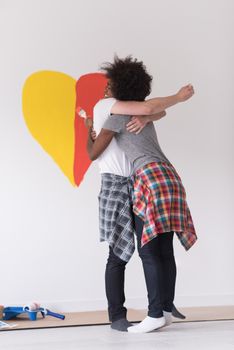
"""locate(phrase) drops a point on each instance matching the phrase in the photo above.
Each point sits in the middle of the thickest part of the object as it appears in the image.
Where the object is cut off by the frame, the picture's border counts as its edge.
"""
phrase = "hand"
(93, 135)
(88, 123)
(185, 93)
(136, 124)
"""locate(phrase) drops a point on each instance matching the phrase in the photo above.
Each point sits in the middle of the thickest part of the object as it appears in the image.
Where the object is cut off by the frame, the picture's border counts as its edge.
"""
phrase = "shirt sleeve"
(115, 123)
(110, 103)
(101, 111)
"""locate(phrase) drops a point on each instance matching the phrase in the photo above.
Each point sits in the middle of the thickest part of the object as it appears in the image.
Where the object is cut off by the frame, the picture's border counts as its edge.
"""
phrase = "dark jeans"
(114, 280)
(159, 268)
(160, 274)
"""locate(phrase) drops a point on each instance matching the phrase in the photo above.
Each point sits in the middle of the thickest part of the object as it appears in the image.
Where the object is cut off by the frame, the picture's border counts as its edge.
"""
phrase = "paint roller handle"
(54, 314)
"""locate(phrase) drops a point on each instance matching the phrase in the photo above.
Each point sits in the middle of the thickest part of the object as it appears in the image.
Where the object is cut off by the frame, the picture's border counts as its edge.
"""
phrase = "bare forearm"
(90, 145)
(154, 105)
(97, 147)
(144, 108)
(155, 117)
(159, 104)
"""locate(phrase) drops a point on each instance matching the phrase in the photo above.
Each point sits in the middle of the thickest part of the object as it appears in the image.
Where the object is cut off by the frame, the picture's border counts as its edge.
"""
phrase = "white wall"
(49, 230)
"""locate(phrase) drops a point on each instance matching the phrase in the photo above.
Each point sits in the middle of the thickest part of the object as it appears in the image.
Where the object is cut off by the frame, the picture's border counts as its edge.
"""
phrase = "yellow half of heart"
(49, 100)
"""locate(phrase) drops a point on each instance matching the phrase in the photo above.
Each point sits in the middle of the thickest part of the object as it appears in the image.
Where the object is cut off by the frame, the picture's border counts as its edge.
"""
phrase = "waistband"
(117, 178)
(153, 165)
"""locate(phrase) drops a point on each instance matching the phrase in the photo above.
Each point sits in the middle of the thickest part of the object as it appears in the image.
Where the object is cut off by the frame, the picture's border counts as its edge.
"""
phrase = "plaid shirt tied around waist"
(159, 199)
(115, 214)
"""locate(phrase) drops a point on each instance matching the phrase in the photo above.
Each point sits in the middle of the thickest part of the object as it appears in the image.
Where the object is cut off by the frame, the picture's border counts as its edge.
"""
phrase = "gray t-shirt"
(141, 149)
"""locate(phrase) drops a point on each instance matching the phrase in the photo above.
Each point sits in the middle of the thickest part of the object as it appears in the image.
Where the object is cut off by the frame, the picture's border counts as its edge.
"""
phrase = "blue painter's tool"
(14, 311)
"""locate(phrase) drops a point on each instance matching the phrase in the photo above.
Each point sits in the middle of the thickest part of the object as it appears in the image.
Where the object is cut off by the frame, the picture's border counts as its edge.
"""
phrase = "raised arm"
(154, 105)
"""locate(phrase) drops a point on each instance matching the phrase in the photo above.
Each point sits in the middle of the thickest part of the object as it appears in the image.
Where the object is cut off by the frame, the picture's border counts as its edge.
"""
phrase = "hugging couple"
(141, 196)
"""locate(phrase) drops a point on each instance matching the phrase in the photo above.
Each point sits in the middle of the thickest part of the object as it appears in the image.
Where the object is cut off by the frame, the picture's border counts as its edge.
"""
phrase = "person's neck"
(108, 96)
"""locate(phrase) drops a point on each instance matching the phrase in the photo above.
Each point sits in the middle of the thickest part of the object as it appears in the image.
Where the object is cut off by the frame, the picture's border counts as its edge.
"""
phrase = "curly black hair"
(129, 79)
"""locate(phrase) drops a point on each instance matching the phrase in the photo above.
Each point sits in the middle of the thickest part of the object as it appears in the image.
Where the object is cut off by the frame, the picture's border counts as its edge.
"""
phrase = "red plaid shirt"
(159, 199)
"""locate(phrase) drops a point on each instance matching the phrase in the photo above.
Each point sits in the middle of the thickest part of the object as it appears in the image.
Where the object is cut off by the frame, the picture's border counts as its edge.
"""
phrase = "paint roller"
(45, 312)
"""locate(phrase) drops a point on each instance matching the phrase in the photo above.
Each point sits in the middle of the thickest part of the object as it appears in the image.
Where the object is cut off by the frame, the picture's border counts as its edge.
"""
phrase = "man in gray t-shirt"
(142, 148)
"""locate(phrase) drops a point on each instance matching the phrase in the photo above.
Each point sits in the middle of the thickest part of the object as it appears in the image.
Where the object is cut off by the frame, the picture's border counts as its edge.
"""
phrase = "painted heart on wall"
(49, 103)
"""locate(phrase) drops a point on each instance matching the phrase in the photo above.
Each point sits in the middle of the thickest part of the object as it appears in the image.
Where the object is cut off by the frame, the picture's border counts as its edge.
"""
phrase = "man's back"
(142, 148)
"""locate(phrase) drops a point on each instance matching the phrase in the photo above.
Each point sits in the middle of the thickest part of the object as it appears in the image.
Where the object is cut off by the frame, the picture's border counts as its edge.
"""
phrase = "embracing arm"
(95, 148)
(137, 123)
(154, 105)
(155, 117)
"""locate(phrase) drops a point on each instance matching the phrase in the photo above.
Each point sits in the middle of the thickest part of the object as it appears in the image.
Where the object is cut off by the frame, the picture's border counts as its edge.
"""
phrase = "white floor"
(189, 336)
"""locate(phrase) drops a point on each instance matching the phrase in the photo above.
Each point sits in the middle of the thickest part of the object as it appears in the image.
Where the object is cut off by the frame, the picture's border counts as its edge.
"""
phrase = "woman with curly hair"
(128, 145)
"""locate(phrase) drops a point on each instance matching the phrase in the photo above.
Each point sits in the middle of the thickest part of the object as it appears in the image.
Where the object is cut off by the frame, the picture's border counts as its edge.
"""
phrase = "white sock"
(149, 324)
(168, 318)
